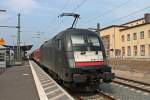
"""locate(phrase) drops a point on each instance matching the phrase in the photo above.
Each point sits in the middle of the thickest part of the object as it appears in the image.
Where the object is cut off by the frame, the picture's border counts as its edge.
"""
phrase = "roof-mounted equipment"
(76, 16)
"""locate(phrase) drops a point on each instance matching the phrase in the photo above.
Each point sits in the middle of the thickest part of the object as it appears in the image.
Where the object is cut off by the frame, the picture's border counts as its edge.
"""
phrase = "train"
(76, 58)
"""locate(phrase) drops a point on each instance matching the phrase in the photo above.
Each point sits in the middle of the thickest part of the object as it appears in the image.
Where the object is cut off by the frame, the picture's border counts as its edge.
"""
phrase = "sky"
(40, 22)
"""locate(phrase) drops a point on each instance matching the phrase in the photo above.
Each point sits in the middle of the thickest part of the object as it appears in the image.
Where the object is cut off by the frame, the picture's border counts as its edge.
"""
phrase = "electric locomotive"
(76, 57)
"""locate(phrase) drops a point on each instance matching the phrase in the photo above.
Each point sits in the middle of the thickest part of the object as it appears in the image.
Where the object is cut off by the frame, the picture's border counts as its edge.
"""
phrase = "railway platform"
(16, 83)
(29, 82)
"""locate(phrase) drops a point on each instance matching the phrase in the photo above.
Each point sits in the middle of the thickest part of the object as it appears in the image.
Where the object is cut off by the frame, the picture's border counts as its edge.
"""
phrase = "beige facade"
(111, 38)
(129, 40)
(136, 42)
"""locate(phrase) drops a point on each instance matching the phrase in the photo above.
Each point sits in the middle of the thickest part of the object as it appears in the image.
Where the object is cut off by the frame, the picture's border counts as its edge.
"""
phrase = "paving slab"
(17, 83)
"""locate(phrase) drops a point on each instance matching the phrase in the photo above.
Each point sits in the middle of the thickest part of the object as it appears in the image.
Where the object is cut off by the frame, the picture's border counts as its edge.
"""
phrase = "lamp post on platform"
(18, 41)
(18, 51)
(2, 40)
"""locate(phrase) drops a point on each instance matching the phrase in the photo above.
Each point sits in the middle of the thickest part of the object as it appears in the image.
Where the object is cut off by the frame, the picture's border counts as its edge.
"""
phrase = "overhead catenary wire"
(61, 9)
(107, 12)
(54, 20)
(79, 5)
(132, 13)
(75, 9)
(65, 5)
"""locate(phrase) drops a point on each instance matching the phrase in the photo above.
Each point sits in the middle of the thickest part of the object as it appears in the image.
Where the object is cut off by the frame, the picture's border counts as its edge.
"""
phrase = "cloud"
(25, 6)
(3, 17)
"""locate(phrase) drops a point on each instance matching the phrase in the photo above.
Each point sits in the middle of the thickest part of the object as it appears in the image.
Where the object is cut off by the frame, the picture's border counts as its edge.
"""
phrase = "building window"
(135, 50)
(129, 51)
(122, 37)
(123, 51)
(143, 22)
(142, 35)
(134, 36)
(148, 33)
(142, 50)
(128, 37)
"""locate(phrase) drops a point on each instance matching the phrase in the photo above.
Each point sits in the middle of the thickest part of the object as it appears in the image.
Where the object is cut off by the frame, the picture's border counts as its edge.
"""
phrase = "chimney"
(147, 17)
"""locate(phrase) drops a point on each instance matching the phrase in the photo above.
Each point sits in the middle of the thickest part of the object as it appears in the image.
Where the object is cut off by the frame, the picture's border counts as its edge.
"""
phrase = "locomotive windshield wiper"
(83, 52)
(76, 16)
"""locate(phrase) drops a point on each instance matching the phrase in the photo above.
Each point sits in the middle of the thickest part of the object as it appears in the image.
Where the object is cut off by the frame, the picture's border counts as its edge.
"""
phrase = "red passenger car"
(36, 55)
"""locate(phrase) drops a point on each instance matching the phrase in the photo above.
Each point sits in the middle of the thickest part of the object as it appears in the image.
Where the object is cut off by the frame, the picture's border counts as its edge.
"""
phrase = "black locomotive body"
(76, 56)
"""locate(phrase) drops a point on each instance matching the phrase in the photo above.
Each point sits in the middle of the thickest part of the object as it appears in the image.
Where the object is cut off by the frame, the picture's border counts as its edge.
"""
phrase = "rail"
(133, 84)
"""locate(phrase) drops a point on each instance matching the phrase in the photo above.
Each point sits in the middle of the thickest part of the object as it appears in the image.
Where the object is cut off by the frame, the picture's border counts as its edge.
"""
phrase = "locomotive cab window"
(94, 43)
(79, 43)
(85, 43)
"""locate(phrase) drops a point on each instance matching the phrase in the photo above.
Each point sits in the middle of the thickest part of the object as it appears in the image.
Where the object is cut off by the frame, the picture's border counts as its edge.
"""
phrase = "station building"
(128, 40)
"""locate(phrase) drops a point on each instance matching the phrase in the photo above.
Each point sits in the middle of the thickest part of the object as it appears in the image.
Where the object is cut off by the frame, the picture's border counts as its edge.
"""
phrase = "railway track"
(133, 84)
(102, 95)
(144, 87)
(88, 96)
(114, 94)
(97, 96)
